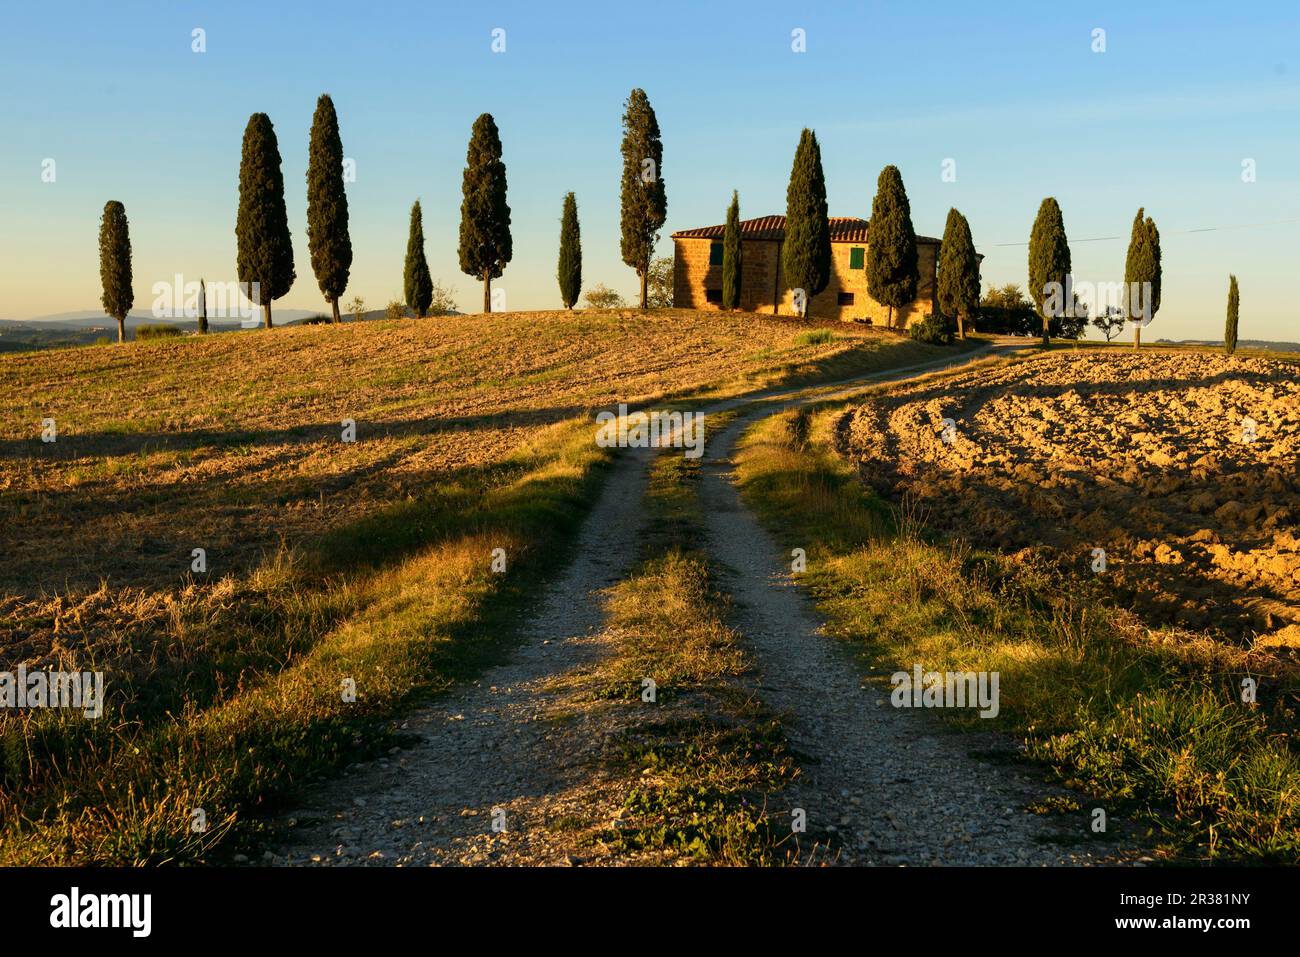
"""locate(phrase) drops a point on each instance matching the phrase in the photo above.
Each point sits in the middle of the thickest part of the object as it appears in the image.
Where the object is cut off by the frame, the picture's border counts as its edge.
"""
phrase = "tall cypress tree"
(806, 250)
(643, 196)
(416, 281)
(203, 308)
(1049, 259)
(264, 248)
(731, 264)
(959, 272)
(1142, 271)
(892, 270)
(569, 269)
(1230, 330)
(485, 244)
(115, 264)
(327, 206)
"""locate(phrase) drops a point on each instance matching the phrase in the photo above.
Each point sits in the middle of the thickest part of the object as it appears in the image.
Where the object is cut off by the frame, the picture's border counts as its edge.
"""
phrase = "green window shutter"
(857, 257)
(715, 254)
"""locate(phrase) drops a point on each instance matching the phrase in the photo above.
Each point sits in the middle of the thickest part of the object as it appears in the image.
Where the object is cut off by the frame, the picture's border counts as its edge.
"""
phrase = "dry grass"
(325, 558)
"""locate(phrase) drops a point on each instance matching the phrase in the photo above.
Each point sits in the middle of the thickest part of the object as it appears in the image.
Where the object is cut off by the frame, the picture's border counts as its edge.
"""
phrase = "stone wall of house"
(693, 277)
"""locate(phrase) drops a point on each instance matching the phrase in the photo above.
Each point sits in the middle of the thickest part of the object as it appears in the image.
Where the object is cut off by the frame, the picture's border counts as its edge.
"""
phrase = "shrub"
(814, 337)
(395, 310)
(443, 302)
(162, 331)
(934, 329)
(601, 296)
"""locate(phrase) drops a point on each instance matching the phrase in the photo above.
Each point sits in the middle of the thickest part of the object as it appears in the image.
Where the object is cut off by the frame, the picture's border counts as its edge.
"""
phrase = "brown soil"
(1144, 455)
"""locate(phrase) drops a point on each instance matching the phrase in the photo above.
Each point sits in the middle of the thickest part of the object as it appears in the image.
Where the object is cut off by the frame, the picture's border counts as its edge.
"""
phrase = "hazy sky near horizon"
(1012, 92)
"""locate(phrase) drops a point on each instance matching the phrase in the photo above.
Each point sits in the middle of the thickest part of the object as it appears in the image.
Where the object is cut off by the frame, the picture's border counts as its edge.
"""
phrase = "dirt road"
(521, 746)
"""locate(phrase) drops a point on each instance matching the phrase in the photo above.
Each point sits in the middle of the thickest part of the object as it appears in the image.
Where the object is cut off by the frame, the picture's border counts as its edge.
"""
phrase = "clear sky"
(1013, 93)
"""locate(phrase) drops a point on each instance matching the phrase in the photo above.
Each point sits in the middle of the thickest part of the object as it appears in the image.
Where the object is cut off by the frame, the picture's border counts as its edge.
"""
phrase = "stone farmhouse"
(697, 273)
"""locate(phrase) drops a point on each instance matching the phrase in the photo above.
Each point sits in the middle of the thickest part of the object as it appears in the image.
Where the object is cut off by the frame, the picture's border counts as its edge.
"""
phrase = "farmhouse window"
(715, 254)
(857, 257)
(713, 295)
(845, 299)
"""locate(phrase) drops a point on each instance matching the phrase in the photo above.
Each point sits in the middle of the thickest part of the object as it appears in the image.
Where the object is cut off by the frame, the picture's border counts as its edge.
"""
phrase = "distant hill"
(96, 317)
(1241, 344)
(62, 330)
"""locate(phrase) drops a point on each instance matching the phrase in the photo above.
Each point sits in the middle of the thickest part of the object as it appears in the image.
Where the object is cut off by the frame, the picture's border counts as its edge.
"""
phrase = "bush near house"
(935, 329)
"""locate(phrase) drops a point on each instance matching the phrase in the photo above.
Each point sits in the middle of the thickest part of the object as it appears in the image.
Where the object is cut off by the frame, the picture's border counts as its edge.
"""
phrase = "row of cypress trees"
(264, 245)
(264, 253)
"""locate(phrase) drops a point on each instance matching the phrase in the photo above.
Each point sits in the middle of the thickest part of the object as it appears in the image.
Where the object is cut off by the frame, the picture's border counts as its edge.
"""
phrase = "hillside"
(323, 558)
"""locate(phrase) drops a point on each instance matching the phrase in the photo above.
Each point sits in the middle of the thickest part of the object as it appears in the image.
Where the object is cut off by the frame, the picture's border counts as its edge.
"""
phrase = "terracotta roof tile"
(844, 229)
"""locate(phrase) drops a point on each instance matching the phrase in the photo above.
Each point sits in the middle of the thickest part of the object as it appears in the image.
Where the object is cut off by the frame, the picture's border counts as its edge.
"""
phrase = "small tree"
(1005, 310)
(444, 300)
(1230, 330)
(115, 264)
(1110, 322)
(357, 308)
(203, 308)
(569, 270)
(416, 282)
(485, 244)
(395, 310)
(1142, 274)
(806, 250)
(264, 247)
(731, 264)
(1049, 262)
(660, 286)
(959, 273)
(327, 206)
(644, 200)
(601, 296)
(892, 270)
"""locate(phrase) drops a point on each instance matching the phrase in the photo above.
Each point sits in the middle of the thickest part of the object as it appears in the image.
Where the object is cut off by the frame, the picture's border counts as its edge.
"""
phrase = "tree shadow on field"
(73, 445)
(139, 531)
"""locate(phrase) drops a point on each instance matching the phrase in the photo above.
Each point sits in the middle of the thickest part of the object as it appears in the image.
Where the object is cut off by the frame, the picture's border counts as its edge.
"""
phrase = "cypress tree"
(806, 250)
(569, 270)
(1230, 330)
(959, 272)
(485, 244)
(115, 264)
(644, 199)
(731, 263)
(203, 308)
(327, 206)
(264, 248)
(1049, 259)
(416, 281)
(892, 269)
(1142, 269)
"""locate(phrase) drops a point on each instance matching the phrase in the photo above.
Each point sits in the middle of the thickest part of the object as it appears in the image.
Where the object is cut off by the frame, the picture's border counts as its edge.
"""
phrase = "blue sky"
(1012, 92)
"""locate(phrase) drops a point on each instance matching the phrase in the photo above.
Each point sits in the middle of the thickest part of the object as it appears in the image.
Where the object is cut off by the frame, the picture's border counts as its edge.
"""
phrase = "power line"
(1176, 232)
